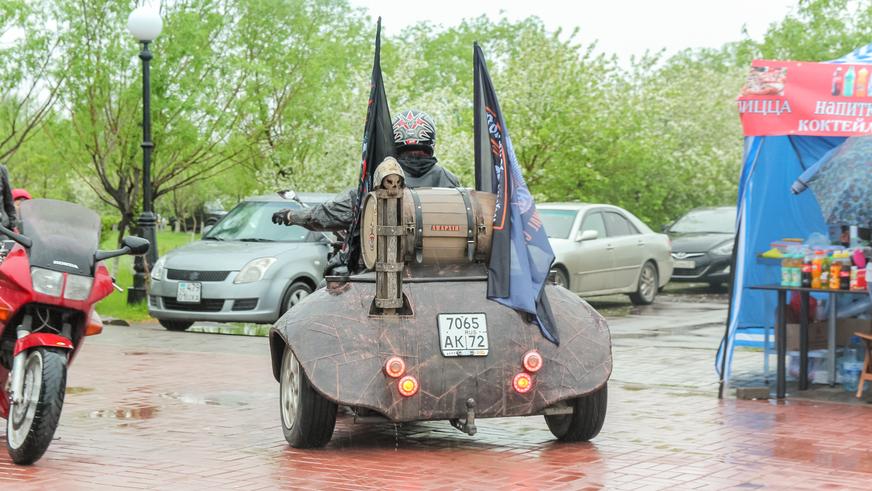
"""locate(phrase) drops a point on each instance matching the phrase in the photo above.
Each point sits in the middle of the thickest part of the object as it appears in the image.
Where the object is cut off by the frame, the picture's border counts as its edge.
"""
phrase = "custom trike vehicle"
(417, 339)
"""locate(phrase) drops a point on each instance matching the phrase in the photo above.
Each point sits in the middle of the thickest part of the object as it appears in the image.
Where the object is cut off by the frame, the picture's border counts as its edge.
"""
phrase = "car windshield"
(718, 221)
(558, 223)
(252, 221)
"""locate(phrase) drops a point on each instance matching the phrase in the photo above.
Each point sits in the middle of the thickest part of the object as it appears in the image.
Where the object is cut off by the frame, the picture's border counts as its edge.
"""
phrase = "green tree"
(258, 83)
(819, 30)
(29, 81)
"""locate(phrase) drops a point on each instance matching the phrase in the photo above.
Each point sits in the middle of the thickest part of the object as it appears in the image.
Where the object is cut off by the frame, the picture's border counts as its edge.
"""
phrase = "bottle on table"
(806, 271)
(785, 270)
(796, 271)
(835, 269)
(845, 278)
(816, 266)
(825, 271)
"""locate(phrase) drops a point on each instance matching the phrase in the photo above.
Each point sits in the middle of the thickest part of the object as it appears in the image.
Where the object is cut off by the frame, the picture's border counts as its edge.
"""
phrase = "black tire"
(649, 281)
(296, 293)
(717, 286)
(175, 325)
(561, 277)
(307, 417)
(44, 410)
(585, 422)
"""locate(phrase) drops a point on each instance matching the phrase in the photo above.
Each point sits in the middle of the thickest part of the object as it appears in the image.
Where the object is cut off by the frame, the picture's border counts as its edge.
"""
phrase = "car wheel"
(295, 294)
(307, 418)
(717, 286)
(175, 325)
(561, 278)
(648, 285)
(586, 420)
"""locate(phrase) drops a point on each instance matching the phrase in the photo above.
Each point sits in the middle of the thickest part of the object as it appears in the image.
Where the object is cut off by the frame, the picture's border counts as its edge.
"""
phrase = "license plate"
(188, 292)
(463, 334)
(684, 264)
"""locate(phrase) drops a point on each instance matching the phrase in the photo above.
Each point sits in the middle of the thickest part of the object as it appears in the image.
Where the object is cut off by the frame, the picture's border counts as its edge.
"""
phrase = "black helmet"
(414, 129)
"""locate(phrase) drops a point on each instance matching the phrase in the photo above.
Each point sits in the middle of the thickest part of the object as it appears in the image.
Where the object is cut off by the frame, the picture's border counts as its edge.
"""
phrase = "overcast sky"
(622, 27)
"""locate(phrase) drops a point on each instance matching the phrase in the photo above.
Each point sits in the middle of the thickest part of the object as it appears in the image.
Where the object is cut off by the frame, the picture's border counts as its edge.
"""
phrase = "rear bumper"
(342, 349)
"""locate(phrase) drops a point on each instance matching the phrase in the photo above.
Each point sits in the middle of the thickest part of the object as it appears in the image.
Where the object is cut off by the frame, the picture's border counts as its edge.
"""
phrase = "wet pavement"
(151, 409)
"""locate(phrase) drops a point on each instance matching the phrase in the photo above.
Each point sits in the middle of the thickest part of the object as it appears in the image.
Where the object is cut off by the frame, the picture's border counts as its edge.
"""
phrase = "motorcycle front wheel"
(32, 423)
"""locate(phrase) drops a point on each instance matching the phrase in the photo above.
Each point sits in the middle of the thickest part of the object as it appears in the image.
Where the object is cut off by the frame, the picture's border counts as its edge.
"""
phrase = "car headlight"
(724, 249)
(46, 281)
(158, 269)
(254, 270)
(78, 287)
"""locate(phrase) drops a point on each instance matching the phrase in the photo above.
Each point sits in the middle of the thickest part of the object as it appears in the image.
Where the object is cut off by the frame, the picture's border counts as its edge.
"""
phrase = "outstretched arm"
(331, 216)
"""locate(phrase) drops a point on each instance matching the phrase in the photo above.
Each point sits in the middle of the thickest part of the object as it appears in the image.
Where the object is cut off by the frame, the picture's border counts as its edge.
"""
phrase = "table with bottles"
(836, 272)
(781, 333)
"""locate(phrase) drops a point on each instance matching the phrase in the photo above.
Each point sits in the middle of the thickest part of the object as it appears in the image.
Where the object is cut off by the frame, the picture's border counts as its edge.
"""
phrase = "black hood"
(698, 242)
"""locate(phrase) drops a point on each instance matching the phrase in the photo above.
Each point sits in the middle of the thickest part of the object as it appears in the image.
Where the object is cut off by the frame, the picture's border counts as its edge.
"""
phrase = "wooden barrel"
(443, 226)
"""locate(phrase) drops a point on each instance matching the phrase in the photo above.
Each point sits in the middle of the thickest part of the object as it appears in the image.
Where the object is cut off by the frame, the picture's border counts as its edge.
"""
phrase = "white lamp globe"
(144, 23)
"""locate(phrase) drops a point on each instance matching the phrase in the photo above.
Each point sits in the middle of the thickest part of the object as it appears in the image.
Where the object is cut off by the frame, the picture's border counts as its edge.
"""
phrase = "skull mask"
(389, 176)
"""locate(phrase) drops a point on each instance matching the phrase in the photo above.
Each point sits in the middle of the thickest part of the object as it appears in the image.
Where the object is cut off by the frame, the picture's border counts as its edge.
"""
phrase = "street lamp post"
(145, 24)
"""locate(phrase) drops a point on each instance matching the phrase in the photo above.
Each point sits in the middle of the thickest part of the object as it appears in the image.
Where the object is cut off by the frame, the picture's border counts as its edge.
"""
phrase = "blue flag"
(521, 255)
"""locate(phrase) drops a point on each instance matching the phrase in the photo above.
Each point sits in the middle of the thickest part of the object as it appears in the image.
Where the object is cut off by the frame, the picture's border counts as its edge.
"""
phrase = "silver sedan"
(246, 269)
(603, 250)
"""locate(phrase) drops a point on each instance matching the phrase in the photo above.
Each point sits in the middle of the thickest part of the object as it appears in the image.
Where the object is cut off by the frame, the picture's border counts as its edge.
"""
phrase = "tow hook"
(467, 426)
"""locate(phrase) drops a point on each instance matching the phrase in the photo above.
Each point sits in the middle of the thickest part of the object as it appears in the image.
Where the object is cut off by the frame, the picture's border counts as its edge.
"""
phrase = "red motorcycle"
(51, 276)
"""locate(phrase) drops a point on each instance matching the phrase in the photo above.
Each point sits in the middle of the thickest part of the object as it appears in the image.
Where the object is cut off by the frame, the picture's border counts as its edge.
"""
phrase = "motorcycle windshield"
(65, 235)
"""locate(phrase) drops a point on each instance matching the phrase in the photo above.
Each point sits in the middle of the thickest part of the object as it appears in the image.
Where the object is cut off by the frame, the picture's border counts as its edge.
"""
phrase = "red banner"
(800, 98)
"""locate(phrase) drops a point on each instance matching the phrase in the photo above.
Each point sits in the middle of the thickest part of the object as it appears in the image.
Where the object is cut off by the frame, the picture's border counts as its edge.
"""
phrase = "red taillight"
(408, 386)
(532, 361)
(522, 383)
(395, 367)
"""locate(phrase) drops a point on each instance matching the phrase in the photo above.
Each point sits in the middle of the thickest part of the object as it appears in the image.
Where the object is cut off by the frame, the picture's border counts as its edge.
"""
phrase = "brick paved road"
(148, 408)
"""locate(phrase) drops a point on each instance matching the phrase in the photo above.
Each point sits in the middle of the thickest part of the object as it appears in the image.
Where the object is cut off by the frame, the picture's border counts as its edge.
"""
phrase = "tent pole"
(726, 340)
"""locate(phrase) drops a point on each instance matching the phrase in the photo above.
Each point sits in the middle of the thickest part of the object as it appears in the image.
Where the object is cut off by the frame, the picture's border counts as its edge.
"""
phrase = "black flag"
(378, 143)
(521, 255)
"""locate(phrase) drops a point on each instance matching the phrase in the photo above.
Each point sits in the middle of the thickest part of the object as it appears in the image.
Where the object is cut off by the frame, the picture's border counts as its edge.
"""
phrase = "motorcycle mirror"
(129, 245)
(291, 196)
(136, 245)
(287, 194)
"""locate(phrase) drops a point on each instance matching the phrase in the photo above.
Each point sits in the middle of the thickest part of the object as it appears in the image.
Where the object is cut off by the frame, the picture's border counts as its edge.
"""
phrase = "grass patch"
(115, 305)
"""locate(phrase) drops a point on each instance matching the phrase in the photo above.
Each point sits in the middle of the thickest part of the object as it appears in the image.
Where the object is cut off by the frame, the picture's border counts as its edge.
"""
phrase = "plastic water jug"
(851, 364)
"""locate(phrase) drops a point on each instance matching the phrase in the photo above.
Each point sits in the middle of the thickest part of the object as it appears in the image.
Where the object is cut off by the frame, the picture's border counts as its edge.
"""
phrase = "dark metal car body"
(342, 349)
(702, 243)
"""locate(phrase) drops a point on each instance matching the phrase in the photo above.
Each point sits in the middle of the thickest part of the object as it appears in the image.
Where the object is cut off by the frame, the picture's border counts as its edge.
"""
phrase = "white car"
(603, 250)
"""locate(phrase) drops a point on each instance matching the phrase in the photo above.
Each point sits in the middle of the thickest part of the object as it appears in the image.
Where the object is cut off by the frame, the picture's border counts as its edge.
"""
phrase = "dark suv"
(702, 245)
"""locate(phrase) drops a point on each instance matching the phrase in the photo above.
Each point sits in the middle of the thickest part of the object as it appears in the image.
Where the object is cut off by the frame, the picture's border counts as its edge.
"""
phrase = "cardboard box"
(817, 333)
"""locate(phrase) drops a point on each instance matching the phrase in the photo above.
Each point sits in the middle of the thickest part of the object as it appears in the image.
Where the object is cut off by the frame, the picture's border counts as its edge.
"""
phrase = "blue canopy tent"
(768, 211)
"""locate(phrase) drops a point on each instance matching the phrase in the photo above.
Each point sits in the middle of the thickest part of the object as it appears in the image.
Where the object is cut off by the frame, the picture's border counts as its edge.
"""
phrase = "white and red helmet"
(414, 129)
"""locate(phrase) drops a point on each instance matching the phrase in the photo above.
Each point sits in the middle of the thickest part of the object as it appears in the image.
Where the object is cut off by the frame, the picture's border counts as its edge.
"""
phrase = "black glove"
(282, 217)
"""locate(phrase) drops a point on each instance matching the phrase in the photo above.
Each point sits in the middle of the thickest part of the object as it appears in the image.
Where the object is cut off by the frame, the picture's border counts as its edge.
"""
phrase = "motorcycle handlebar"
(21, 239)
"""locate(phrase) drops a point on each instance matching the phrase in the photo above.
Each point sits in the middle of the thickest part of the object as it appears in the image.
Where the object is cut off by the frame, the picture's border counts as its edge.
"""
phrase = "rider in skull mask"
(414, 138)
